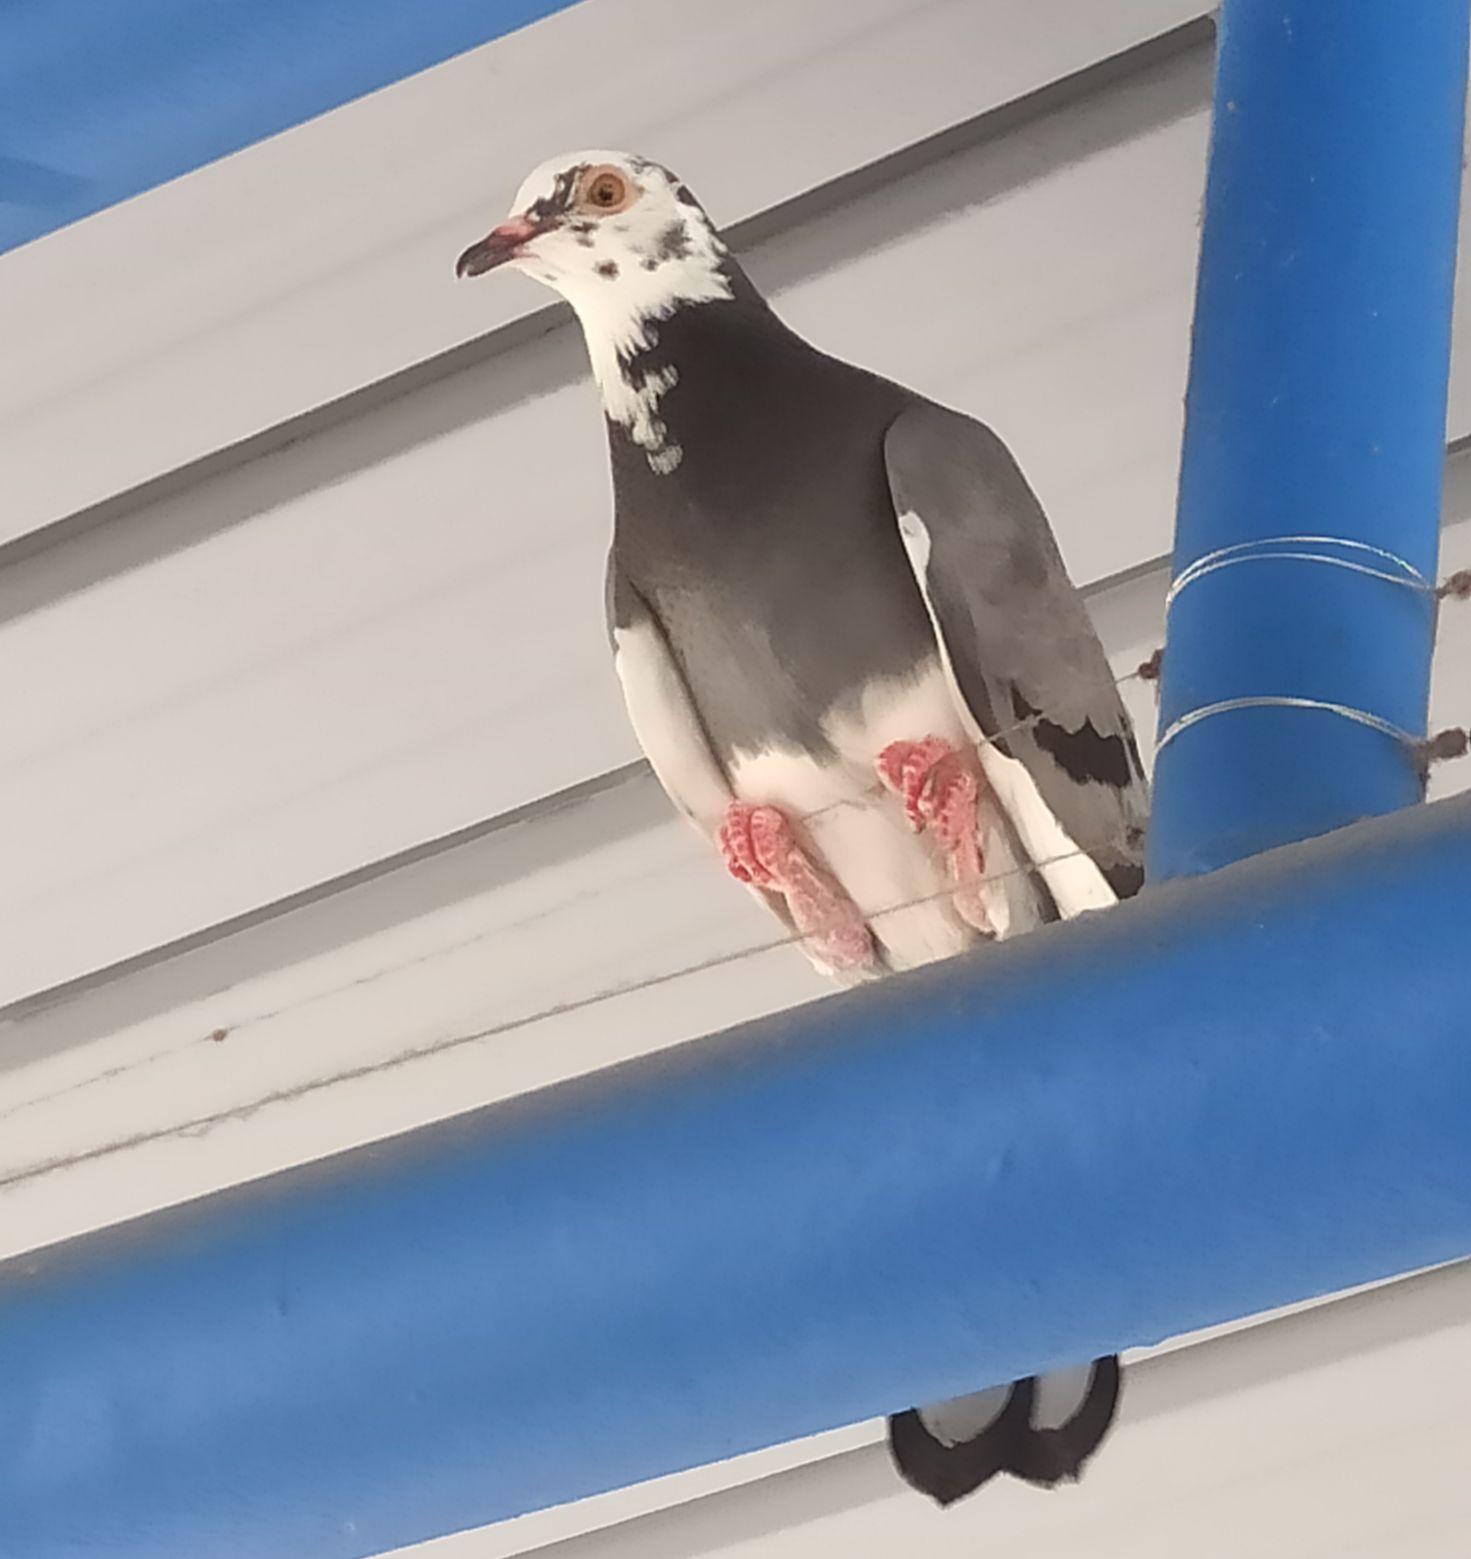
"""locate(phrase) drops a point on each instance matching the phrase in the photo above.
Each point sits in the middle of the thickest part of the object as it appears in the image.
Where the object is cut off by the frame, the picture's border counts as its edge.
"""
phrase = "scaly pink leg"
(940, 787)
(759, 847)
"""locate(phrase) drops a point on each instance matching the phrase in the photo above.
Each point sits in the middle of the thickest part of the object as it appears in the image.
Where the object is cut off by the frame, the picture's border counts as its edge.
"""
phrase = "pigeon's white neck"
(620, 317)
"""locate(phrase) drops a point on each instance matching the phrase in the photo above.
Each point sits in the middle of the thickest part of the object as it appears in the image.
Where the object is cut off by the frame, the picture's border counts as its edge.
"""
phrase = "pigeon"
(850, 649)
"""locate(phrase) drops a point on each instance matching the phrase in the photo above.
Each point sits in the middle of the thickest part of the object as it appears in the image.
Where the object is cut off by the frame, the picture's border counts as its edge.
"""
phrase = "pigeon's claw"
(760, 846)
(907, 769)
(940, 787)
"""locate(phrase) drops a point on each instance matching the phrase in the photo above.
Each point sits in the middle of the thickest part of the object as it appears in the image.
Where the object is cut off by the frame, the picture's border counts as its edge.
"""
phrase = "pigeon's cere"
(850, 649)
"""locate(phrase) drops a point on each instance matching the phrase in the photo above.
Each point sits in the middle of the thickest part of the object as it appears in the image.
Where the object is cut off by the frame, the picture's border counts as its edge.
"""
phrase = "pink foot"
(940, 787)
(759, 847)
(906, 768)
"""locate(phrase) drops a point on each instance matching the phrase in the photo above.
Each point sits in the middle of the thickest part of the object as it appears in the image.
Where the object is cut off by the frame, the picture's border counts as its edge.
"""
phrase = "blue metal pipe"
(1227, 1094)
(1316, 406)
(100, 100)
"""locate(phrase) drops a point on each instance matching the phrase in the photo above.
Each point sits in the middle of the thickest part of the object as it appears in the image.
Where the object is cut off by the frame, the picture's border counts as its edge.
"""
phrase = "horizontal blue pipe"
(100, 99)
(1316, 406)
(1228, 1094)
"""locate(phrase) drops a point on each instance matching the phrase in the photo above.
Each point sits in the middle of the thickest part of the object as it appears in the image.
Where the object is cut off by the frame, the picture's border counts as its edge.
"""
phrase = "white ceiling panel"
(321, 260)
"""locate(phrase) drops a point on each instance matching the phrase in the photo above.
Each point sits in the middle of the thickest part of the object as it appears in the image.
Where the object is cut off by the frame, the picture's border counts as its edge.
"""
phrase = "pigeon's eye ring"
(604, 190)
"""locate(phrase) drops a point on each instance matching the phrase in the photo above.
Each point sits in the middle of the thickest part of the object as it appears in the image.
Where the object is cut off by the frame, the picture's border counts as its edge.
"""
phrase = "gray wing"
(1017, 640)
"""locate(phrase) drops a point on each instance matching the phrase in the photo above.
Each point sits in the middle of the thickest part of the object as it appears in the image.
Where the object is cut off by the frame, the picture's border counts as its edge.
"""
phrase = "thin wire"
(1408, 576)
(1269, 550)
(200, 1125)
(992, 739)
(875, 792)
(1284, 701)
(1264, 551)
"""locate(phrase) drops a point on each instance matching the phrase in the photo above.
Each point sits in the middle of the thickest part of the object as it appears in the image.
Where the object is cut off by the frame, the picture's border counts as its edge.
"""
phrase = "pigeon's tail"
(1042, 1429)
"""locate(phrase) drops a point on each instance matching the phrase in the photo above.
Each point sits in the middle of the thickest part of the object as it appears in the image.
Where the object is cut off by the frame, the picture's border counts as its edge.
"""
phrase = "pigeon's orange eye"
(604, 190)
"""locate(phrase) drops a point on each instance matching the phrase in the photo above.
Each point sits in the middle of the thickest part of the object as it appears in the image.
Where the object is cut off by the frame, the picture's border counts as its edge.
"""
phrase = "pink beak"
(501, 244)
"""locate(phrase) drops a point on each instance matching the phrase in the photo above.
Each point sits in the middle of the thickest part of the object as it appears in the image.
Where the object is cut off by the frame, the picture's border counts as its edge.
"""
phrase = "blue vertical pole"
(1316, 407)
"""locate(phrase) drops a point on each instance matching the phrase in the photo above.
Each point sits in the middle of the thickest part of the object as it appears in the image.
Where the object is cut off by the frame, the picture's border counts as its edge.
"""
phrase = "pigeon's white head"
(626, 244)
